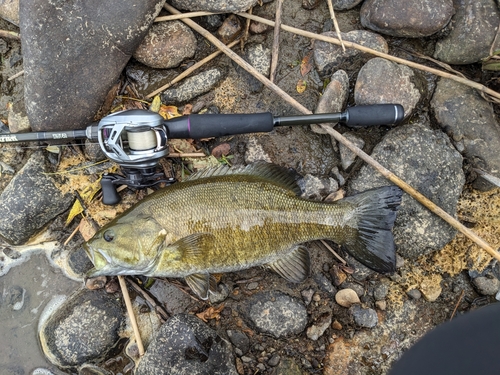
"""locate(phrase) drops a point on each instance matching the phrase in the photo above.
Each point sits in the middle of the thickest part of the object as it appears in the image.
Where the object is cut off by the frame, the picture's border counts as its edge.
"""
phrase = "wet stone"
(30, 201)
(333, 99)
(408, 19)
(364, 317)
(83, 329)
(79, 262)
(380, 291)
(193, 87)
(487, 285)
(239, 339)
(274, 360)
(317, 188)
(469, 119)
(230, 29)
(345, 4)
(276, 313)
(220, 6)
(166, 45)
(184, 345)
(325, 284)
(97, 38)
(383, 81)
(414, 294)
(473, 31)
(425, 159)
(328, 57)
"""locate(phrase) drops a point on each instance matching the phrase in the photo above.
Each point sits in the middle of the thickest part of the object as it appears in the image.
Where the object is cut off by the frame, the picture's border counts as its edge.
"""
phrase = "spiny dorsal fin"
(272, 173)
(201, 284)
(294, 267)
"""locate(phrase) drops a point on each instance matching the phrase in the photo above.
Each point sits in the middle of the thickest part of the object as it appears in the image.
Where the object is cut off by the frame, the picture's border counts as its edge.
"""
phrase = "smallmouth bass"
(229, 219)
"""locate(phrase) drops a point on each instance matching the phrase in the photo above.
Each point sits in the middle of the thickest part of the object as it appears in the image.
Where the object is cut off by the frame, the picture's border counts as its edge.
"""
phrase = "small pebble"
(17, 297)
(307, 296)
(380, 292)
(381, 305)
(346, 297)
(414, 293)
(252, 285)
(336, 325)
(274, 360)
(367, 318)
(96, 282)
(316, 297)
(246, 359)
(112, 286)
(261, 367)
(487, 286)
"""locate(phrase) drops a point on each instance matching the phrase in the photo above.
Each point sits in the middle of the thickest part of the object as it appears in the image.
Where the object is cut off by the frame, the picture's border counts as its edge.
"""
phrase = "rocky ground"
(345, 318)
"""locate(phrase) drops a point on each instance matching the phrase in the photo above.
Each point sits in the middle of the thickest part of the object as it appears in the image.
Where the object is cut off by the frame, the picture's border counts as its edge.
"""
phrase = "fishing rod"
(137, 139)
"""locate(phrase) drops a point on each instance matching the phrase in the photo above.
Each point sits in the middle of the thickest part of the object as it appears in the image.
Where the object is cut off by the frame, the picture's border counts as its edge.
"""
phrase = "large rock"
(30, 201)
(221, 6)
(383, 81)
(185, 345)
(473, 32)
(471, 123)
(82, 329)
(409, 19)
(425, 159)
(74, 52)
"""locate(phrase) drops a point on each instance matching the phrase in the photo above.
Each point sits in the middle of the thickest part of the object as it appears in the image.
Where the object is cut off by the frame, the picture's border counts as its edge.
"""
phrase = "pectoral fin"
(295, 266)
(194, 245)
(201, 284)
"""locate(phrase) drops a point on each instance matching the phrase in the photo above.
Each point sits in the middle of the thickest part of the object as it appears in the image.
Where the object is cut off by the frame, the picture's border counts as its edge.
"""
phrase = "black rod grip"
(377, 114)
(218, 125)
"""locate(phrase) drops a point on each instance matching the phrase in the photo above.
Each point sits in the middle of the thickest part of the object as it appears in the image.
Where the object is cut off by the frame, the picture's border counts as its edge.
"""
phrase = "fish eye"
(108, 235)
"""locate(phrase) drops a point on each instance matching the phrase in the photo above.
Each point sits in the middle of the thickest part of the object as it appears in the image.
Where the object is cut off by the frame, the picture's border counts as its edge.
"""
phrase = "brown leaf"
(306, 64)
(187, 109)
(210, 313)
(168, 111)
(301, 86)
(86, 229)
(222, 149)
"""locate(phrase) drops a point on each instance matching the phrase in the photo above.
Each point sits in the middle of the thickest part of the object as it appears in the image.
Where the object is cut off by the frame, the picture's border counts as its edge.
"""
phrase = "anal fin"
(295, 266)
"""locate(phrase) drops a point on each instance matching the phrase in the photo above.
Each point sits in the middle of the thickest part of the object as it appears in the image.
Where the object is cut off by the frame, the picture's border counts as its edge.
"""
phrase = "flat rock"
(184, 345)
(221, 6)
(426, 160)
(383, 81)
(407, 19)
(82, 329)
(346, 155)
(276, 313)
(474, 27)
(471, 123)
(334, 98)
(259, 57)
(364, 317)
(166, 45)
(328, 57)
(193, 87)
(30, 201)
(73, 54)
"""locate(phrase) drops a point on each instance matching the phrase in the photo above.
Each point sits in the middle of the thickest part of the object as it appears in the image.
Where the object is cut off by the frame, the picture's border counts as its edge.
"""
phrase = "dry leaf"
(301, 86)
(87, 195)
(181, 145)
(210, 313)
(168, 111)
(187, 109)
(222, 149)
(76, 210)
(86, 229)
(155, 104)
(306, 64)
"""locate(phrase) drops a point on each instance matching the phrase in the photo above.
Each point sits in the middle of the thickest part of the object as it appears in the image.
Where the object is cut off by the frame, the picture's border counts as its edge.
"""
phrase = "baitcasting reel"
(137, 139)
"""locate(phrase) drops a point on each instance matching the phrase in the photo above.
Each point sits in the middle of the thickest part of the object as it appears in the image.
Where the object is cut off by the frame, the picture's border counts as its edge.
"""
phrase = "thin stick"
(72, 234)
(456, 305)
(159, 309)
(367, 158)
(247, 27)
(333, 252)
(18, 74)
(9, 35)
(359, 47)
(131, 314)
(335, 23)
(276, 41)
(183, 15)
(190, 70)
(186, 155)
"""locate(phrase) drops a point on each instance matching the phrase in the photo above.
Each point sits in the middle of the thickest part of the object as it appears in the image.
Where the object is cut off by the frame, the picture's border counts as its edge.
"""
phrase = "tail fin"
(373, 243)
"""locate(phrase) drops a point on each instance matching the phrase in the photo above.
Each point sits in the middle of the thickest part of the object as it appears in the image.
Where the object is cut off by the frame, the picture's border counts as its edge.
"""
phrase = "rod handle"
(371, 115)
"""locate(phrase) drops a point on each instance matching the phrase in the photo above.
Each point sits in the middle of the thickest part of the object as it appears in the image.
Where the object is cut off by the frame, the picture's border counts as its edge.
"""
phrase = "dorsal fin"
(272, 173)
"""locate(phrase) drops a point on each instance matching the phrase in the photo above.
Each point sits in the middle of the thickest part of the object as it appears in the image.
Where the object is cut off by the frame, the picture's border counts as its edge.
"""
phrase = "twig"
(159, 309)
(183, 15)
(340, 138)
(456, 305)
(333, 252)
(131, 314)
(359, 47)
(276, 41)
(335, 23)
(9, 35)
(190, 70)
(247, 27)
(186, 155)
(18, 74)
(72, 234)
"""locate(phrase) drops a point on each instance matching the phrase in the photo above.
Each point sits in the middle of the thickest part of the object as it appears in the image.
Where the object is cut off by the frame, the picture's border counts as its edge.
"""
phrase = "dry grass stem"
(18, 74)
(130, 311)
(159, 309)
(457, 304)
(183, 15)
(247, 28)
(335, 23)
(186, 155)
(333, 252)
(398, 60)
(276, 41)
(10, 35)
(189, 71)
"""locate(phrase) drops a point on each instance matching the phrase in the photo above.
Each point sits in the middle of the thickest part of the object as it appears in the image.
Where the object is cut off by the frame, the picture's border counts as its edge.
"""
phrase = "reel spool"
(134, 139)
